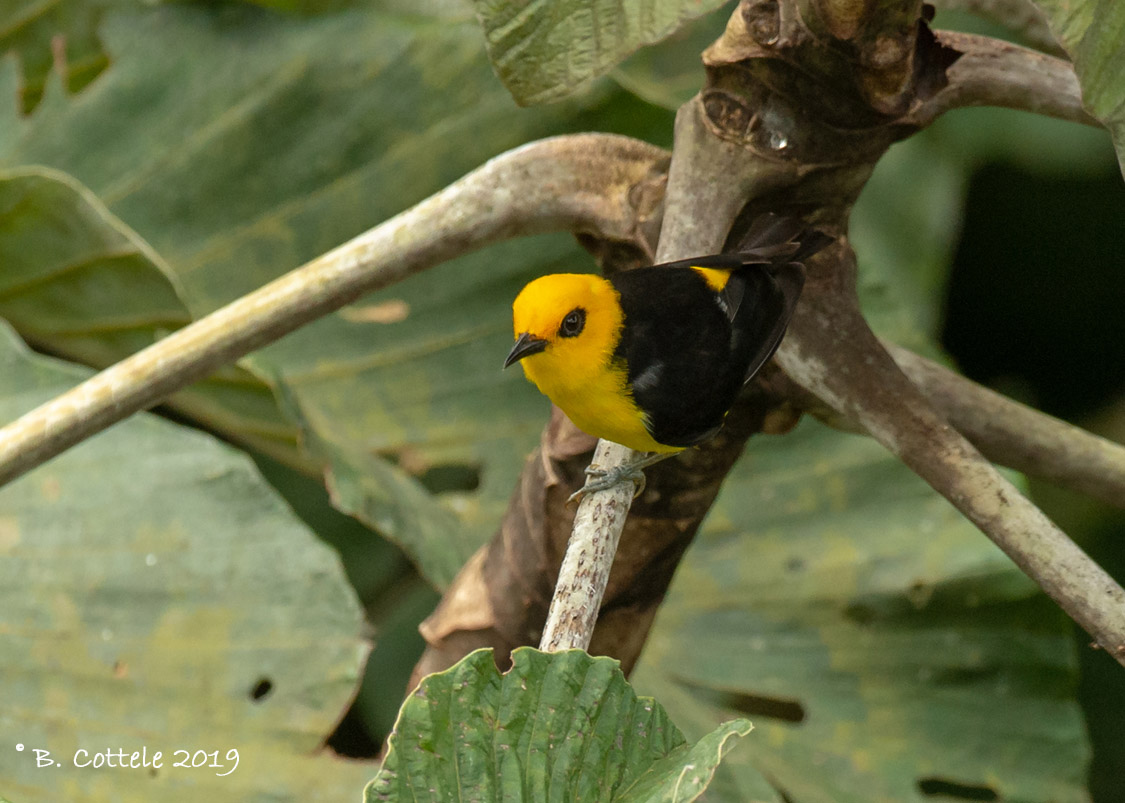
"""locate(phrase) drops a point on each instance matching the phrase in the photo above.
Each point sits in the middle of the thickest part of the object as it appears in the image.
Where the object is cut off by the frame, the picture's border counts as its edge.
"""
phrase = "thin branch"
(1005, 431)
(1017, 436)
(601, 516)
(584, 573)
(831, 351)
(576, 183)
(991, 72)
(1020, 16)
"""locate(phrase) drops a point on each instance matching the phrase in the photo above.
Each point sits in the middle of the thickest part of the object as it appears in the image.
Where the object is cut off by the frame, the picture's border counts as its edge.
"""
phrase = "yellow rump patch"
(716, 279)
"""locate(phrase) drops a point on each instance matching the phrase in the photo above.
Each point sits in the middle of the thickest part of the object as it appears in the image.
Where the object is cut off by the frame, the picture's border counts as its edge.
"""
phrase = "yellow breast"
(601, 405)
(579, 374)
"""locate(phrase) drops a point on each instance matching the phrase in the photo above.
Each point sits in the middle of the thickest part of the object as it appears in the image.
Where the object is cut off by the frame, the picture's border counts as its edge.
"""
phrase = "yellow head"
(566, 326)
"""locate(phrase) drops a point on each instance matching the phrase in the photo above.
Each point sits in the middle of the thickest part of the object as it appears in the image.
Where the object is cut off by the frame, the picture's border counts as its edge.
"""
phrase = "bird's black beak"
(525, 344)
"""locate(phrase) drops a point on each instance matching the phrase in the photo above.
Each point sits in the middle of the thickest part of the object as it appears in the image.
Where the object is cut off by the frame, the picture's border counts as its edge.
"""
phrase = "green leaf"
(544, 51)
(155, 593)
(560, 726)
(378, 110)
(670, 72)
(79, 283)
(1093, 33)
(879, 642)
(58, 36)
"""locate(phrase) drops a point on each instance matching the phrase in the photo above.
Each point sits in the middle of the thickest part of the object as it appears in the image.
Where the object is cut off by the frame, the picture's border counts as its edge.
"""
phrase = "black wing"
(676, 346)
(689, 350)
(768, 295)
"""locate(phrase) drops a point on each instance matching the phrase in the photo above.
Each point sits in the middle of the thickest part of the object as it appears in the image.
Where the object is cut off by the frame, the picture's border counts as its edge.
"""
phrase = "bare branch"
(584, 573)
(1005, 431)
(1020, 16)
(576, 183)
(1017, 436)
(831, 351)
(991, 72)
(601, 516)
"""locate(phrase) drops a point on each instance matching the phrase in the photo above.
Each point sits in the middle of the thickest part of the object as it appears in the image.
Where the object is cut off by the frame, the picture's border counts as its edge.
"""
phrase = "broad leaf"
(79, 283)
(547, 49)
(556, 727)
(394, 107)
(155, 593)
(1093, 33)
(881, 645)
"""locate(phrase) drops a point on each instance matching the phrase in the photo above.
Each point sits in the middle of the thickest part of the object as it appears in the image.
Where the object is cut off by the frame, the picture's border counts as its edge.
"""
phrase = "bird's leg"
(600, 480)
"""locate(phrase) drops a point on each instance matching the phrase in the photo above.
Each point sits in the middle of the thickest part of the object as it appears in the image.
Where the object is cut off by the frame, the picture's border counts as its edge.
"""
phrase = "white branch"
(578, 183)
(692, 186)
(585, 569)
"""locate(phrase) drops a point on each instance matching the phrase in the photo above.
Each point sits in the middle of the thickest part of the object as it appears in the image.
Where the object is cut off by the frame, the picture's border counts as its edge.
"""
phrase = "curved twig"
(1003, 430)
(991, 72)
(575, 183)
(1020, 16)
(1017, 436)
(831, 351)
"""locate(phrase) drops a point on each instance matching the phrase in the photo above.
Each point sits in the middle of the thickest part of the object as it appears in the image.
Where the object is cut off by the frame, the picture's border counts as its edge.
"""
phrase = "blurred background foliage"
(223, 144)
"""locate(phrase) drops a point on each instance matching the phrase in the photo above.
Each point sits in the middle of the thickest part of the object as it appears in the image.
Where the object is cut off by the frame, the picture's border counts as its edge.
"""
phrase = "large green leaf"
(79, 283)
(881, 645)
(154, 593)
(1093, 33)
(375, 110)
(556, 727)
(547, 49)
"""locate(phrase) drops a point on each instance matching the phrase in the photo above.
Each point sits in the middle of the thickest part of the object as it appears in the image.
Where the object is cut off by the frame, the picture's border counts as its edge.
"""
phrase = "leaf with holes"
(155, 593)
(884, 649)
(557, 726)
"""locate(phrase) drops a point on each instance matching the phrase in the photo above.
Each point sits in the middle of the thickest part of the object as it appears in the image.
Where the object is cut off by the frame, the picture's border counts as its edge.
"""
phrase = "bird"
(654, 358)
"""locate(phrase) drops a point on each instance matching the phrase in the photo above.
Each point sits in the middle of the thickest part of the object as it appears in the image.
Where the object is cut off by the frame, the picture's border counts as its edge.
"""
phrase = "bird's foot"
(598, 479)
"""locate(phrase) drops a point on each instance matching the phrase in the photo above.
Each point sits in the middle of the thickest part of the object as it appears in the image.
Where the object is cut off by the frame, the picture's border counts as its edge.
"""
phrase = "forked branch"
(1014, 435)
(831, 352)
(991, 72)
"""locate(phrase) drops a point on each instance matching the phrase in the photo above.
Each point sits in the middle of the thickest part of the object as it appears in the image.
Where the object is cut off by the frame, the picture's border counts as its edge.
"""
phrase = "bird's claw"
(602, 480)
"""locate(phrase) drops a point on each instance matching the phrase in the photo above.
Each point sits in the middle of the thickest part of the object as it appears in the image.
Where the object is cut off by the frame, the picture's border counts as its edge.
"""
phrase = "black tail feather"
(779, 240)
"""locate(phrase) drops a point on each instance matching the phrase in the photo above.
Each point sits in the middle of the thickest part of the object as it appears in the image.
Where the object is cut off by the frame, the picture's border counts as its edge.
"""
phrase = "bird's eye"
(572, 324)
